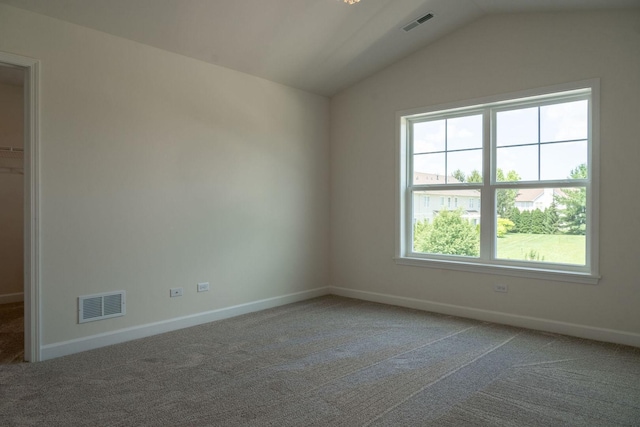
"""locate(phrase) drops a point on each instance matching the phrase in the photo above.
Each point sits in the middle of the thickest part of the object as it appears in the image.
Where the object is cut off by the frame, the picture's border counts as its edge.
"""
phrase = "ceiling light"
(351, 1)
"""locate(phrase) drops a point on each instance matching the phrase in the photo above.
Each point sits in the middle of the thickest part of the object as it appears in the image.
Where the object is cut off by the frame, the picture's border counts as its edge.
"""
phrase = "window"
(525, 167)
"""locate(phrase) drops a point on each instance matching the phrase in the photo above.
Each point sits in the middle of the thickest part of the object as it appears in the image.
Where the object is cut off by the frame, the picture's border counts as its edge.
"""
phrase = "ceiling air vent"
(411, 25)
(101, 306)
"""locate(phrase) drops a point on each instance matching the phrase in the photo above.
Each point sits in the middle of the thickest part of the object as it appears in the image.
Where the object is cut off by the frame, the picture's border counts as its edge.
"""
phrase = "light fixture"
(351, 1)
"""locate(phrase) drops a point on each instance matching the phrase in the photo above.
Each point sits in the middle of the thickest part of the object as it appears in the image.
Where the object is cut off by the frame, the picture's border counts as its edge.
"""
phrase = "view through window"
(504, 183)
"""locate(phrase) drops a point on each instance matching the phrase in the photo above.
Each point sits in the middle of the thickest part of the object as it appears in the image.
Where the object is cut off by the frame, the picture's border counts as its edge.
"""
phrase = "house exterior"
(531, 199)
(427, 204)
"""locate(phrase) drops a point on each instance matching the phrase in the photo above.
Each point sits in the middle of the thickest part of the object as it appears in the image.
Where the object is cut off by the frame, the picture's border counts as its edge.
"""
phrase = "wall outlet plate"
(203, 287)
(501, 288)
(175, 292)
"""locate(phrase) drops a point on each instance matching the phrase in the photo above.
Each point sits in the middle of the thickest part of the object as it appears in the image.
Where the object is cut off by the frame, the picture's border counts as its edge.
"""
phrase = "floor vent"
(101, 306)
(410, 26)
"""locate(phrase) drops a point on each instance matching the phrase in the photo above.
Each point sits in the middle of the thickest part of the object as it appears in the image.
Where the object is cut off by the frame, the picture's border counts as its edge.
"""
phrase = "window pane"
(563, 160)
(429, 168)
(439, 227)
(517, 127)
(462, 164)
(464, 132)
(542, 225)
(523, 161)
(564, 122)
(428, 137)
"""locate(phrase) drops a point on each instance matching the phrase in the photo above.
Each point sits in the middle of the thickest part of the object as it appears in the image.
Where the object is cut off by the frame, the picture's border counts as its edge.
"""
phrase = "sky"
(550, 140)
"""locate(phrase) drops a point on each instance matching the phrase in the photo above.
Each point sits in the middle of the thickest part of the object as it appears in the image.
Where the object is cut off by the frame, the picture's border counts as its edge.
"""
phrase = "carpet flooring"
(333, 361)
(11, 333)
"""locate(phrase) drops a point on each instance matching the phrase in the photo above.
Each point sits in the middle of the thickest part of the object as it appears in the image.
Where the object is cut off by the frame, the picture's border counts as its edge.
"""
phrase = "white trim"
(501, 270)
(487, 262)
(536, 323)
(32, 326)
(78, 345)
(9, 298)
(507, 98)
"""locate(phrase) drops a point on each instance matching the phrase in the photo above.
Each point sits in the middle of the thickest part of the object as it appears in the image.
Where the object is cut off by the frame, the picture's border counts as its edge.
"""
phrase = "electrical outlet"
(175, 292)
(203, 287)
(501, 288)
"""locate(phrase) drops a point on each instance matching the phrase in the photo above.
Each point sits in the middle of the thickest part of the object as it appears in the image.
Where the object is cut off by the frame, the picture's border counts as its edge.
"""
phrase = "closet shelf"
(11, 160)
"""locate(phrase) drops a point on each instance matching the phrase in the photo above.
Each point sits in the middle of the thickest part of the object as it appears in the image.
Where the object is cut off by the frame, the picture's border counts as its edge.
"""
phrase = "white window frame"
(486, 262)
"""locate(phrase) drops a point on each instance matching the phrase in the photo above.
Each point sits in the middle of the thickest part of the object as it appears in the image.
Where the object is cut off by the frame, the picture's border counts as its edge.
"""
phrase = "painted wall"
(160, 171)
(494, 55)
(11, 196)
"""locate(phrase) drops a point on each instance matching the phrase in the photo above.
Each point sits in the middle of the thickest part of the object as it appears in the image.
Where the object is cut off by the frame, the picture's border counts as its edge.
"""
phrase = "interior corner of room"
(152, 173)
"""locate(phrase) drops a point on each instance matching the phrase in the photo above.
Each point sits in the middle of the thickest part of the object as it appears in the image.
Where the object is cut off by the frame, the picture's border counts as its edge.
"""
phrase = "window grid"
(489, 187)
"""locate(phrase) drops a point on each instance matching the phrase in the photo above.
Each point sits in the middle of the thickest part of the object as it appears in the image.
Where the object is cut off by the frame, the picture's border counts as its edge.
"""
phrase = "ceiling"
(321, 46)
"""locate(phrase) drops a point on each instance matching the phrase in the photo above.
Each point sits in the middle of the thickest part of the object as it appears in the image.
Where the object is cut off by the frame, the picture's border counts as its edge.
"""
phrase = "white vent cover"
(411, 25)
(101, 306)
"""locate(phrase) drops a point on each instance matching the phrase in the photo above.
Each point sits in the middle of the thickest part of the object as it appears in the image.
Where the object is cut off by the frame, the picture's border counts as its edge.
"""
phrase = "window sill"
(502, 270)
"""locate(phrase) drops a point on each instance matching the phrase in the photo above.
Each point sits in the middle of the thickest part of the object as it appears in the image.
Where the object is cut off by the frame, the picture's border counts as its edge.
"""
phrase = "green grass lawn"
(549, 248)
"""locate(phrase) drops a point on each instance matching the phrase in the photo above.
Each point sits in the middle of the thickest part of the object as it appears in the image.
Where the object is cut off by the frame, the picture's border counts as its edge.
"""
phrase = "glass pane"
(564, 122)
(429, 168)
(517, 127)
(563, 160)
(517, 163)
(464, 132)
(462, 164)
(542, 225)
(428, 137)
(447, 222)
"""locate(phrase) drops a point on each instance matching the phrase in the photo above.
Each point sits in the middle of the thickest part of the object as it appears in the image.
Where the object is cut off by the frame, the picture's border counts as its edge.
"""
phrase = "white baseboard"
(9, 298)
(59, 349)
(572, 329)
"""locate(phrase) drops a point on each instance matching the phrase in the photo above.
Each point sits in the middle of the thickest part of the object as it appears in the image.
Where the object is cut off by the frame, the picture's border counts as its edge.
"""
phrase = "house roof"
(533, 194)
(529, 194)
(431, 178)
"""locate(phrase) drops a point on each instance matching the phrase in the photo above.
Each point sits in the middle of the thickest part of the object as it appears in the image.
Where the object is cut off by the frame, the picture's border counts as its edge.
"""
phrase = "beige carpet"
(11, 333)
(333, 361)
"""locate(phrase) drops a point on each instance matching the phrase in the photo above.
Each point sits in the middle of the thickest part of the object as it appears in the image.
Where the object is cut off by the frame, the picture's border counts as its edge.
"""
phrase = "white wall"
(11, 196)
(160, 171)
(497, 54)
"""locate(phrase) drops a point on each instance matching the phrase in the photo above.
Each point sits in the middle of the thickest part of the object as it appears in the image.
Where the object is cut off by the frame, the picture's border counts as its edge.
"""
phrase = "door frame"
(32, 318)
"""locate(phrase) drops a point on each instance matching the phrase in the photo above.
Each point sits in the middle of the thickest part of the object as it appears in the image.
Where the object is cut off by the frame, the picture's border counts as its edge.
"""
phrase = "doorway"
(11, 214)
(19, 219)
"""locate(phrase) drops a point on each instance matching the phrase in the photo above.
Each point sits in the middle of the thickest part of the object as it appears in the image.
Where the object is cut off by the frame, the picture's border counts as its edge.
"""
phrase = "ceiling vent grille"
(101, 306)
(413, 24)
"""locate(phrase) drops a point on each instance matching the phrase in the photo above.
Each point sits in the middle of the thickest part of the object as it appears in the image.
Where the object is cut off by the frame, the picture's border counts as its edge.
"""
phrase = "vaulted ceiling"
(321, 46)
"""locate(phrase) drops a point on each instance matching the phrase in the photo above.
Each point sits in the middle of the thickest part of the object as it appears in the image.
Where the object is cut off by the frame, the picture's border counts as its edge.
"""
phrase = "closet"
(11, 215)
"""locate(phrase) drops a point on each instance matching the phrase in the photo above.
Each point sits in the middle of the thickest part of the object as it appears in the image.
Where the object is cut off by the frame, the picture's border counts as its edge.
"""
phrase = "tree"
(537, 222)
(459, 175)
(504, 226)
(525, 222)
(552, 219)
(420, 234)
(506, 198)
(451, 234)
(573, 218)
(514, 216)
(474, 176)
